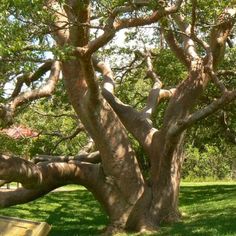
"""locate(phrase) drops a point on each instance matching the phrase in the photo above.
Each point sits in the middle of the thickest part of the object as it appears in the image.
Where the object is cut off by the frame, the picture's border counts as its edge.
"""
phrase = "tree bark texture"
(114, 176)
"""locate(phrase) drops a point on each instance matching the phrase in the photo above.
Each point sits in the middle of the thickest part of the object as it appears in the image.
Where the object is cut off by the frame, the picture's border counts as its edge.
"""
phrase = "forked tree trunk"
(128, 199)
(131, 201)
(160, 202)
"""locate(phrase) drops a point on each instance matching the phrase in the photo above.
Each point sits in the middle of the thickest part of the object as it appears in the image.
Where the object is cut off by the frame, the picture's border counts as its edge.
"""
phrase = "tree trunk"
(135, 205)
(166, 182)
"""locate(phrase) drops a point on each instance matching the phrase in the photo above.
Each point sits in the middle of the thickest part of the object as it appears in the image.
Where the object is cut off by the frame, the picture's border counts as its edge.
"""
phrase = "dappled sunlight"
(208, 209)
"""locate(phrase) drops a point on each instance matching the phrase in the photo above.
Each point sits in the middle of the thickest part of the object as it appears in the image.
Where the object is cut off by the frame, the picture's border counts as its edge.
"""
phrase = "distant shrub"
(210, 163)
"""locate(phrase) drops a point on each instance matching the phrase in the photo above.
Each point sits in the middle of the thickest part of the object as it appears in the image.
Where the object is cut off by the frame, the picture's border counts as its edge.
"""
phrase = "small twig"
(216, 81)
(69, 137)
(73, 116)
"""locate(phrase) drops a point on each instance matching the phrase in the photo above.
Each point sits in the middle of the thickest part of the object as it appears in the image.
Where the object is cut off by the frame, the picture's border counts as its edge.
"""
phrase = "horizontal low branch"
(31, 176)
(21, 195)
(93, 157)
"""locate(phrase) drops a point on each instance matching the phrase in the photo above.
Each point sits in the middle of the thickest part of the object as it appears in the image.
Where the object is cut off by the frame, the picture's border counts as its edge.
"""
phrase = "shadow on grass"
(70, 213)
(201, 194)
(209, 211)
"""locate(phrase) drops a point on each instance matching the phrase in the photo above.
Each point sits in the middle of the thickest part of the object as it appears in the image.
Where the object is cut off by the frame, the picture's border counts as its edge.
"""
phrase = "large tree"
(78, 34)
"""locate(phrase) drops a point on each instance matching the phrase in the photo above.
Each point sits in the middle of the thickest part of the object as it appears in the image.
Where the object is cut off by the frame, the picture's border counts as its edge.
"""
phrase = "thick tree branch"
(47, 175)
(156, 93)
(21, 195)
(108, 77)
(156, 16)
(189, 45)
(131, 119)
(195, 38)
(181, 125)
(93, 157)
(174, 45)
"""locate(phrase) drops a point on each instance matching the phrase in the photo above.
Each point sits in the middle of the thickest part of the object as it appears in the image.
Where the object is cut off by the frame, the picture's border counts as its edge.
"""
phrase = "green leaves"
(209, 163)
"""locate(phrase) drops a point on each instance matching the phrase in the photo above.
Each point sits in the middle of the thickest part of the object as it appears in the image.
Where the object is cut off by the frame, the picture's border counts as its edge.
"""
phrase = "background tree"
(75, 37)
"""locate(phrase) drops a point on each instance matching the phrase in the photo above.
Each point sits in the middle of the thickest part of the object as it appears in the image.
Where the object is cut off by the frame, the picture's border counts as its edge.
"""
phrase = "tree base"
(111, 230)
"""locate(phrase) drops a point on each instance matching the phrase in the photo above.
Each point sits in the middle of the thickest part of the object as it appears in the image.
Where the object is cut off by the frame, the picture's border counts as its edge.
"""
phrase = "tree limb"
(181, 125)
(217, 82)
(174, 45)
(7, 110)
(131, 119)
(189, 46)
(93, 157)
(43, 177)
(44, 91)
(21, 195)
(108, 77)
(29, 78)
(219, 34)
(156, 93)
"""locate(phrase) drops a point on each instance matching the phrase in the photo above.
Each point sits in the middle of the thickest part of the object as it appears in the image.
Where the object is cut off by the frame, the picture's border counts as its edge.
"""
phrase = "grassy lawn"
(209, 210)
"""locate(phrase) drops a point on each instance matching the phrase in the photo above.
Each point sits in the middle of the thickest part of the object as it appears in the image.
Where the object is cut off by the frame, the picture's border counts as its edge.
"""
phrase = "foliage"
(210, 162)
(55, 120)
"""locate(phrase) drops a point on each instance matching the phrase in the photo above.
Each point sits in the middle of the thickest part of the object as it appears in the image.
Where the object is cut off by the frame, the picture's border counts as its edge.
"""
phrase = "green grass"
(209, 210)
